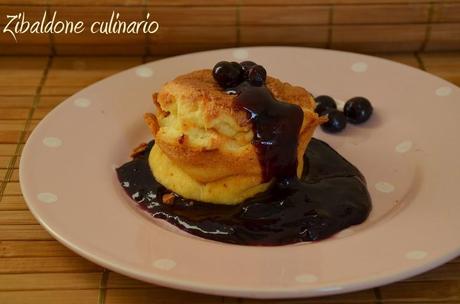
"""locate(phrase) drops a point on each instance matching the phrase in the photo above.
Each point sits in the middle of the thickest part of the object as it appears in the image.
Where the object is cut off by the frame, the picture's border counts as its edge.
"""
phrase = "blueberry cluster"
(356, 110)
(231, 74)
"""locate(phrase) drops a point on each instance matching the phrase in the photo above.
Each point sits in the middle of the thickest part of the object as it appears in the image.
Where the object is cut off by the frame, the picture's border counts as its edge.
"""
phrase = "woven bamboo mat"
(195, 25)
(34, 268)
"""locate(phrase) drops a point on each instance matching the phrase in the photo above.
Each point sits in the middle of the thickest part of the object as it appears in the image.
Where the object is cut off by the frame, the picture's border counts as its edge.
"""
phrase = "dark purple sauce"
(276, 126)
(329, 197)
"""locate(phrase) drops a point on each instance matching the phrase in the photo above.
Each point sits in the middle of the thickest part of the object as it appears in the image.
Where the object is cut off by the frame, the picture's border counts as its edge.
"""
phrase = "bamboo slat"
(423, 291)
(4, 161)
(40, 113)
(90, 14)
(27, 70)
(49, 296)
(316, 35)
(101, 50)
(47, 264)
(447, 12)
(2, 175)
(51, 101)
(226, 300)
(14, 113)
(22, 39)
(33, 249)
(94, 2)
(20, 76)
(170, 49)
(51, 90)
(118, 281)
(7, 149)
(12, 199)
(402, 58)
(25, 2)
(64, 80)
(49, 281)
(446, 272)
(381, 14)
(17, 90)
(88, 38)
(14, 175)
(445, 65)
(24, 49)
(17, 217)
(194, 34)
(23, 232)
(31, 66)
(285, 15)
(10, 130)
(159, 295)
(444, 36)
(12, 188)
(192, 2)
(193, 16)
(12, 202)
(26, 43)
(379, 38)
(9, 102)
(361, 297)
(110, 64)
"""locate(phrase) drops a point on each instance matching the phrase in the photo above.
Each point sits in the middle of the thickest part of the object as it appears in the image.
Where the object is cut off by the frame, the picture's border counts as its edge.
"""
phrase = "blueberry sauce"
(330, 196)
(276, 126)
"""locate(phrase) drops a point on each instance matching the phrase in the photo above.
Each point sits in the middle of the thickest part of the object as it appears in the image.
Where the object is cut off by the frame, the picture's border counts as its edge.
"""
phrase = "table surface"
(34, 268)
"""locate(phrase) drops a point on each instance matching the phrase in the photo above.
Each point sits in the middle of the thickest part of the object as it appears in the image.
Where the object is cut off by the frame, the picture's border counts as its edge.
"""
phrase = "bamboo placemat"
(195, 25)
(34, 268)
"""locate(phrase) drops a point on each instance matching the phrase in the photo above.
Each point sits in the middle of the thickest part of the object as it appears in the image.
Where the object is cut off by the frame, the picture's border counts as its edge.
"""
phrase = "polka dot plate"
(408, 153)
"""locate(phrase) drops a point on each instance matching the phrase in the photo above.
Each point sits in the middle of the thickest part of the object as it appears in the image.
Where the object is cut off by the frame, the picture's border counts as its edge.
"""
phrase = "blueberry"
(228, 74)
(357, 110)
(257, 75)
(246, 65)
(323, 103)
(336, 123)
